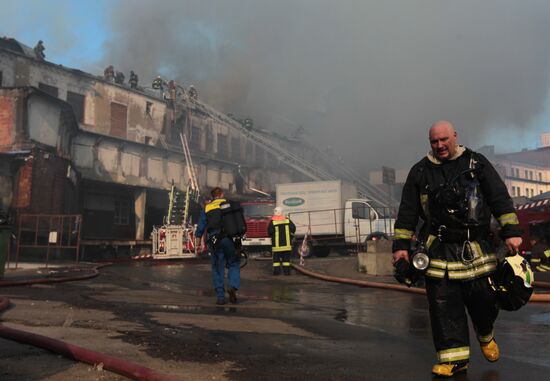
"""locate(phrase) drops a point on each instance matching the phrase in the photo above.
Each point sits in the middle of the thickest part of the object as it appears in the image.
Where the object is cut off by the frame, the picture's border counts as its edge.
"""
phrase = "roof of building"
(539, 157)
(16, 46)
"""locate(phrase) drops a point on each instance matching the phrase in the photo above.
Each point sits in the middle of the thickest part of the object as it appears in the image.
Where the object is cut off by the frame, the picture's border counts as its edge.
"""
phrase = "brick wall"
(7, 121)
(22, 197)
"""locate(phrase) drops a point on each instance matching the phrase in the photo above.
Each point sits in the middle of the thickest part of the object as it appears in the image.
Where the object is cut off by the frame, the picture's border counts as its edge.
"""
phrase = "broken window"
(222, 146)
(148, 108)
(249, 154)
(122, 212)
(52, 90)
(209, 139)
(118, 120)
(259, 160)
(195, 137)
(77, 102)
(236, 149)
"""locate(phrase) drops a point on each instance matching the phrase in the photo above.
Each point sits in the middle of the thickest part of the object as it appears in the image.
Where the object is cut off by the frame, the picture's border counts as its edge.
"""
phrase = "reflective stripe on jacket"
(281, 234)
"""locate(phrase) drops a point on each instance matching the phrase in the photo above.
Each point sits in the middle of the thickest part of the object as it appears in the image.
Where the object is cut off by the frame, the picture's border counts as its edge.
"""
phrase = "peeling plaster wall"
(22, 71)
(44, 122)
(147, 117)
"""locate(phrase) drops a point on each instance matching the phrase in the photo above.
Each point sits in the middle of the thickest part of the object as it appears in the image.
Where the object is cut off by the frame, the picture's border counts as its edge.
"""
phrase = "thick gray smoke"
(365, 77)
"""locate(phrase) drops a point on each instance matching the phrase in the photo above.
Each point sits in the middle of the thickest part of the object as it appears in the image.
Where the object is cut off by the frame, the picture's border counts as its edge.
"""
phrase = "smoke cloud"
(365, 77)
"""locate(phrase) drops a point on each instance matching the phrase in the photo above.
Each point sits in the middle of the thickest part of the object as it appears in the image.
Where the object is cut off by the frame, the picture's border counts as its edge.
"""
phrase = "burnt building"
(73, 142)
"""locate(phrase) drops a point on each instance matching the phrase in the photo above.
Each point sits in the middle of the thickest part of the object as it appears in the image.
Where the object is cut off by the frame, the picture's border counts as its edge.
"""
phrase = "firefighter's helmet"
(513, 283)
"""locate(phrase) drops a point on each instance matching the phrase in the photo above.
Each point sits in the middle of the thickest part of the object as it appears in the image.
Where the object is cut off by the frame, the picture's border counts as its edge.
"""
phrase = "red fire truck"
(534, 219)
(257, 214)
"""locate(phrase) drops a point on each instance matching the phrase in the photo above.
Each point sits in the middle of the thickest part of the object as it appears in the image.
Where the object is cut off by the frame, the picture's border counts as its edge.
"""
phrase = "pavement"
(161, 314)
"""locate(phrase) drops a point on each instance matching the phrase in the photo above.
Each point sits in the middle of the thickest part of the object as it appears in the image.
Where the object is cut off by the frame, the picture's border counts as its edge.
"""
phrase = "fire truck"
(534, 219)
(257, 214)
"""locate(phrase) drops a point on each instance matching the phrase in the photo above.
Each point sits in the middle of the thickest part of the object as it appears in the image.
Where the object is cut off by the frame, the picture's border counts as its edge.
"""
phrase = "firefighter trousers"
(448, 301)
(281, 260)
(223, 255)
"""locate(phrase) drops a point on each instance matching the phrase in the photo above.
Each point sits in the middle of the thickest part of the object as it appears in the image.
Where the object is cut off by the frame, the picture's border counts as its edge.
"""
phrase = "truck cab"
(365, 220)
(257, 215)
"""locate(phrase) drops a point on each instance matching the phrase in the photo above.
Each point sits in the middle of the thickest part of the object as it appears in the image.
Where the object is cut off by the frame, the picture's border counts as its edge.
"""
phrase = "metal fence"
(46, 237)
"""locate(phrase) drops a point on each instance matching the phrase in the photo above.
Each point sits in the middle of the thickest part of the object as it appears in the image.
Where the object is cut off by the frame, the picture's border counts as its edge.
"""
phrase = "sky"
(363, 77)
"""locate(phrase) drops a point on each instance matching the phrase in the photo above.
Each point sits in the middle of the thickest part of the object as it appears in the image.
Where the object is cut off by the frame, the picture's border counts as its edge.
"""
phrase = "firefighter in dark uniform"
(221, 248)
(455, 191)
(281, 230)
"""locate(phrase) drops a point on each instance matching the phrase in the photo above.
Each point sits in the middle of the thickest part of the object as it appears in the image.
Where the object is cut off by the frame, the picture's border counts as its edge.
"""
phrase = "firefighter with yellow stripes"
(454, 191)
(540, 251)
(281, 230)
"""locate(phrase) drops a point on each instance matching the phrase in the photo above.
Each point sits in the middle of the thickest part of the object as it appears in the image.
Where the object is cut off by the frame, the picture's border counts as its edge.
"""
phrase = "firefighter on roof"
(455, 190)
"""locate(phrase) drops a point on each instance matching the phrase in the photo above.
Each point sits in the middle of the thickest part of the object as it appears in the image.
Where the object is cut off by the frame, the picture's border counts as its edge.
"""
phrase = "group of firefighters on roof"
(118, 77)
(446, 206)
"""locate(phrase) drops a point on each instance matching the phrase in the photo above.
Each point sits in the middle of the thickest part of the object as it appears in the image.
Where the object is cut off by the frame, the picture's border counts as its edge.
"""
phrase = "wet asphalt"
(282, 328)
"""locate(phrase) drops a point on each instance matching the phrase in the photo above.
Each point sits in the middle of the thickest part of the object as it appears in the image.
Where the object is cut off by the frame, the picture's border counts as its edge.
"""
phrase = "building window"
(517, 173)
(0, 79)
(196, 137)
(513, 191)
(222, 146)
(236, 149)
(148, 108)
(52, 90)
(540, 176)
(519, 191)
(209, 139)
(530, 175)
(532, 192)
(249, 152)
(526, 174)
(259, 157)
(122, 212)
(118, 120)
(77, 102)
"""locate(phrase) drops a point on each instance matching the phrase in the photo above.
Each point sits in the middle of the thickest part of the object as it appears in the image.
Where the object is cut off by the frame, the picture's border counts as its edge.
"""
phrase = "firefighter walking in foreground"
(221, 248)
(455, 191)
(281, 230)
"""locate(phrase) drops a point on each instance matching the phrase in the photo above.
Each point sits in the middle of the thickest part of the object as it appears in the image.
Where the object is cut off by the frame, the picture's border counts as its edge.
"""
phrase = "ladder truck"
(175, 238)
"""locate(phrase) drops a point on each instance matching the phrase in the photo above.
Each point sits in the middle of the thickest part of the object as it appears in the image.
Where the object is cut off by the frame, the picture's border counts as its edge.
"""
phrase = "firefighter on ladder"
(281, 230)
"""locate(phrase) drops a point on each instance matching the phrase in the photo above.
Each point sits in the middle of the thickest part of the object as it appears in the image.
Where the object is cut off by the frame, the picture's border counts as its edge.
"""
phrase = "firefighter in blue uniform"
(221, 248)
(455, 191)
(281, 230)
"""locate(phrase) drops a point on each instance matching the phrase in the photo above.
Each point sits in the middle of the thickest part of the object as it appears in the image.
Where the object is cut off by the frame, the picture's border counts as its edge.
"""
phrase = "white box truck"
(332, 216)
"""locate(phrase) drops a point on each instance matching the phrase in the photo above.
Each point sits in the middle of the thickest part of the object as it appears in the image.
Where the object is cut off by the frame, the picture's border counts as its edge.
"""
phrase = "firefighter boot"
(490, 350)
(449, 369)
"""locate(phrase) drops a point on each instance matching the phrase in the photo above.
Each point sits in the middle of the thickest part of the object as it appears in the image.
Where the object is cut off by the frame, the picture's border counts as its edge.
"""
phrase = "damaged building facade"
(72, 142)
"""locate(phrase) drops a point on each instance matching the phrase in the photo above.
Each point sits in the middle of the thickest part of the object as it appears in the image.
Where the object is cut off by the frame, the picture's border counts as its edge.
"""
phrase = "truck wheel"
(321, 252)
(296, 249)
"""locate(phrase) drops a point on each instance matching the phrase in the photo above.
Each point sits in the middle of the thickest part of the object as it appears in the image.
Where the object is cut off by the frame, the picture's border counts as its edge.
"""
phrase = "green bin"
(5, 235)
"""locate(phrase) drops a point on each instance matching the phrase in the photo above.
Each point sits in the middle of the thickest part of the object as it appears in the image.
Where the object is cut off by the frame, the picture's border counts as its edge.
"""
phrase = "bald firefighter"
(455, 190)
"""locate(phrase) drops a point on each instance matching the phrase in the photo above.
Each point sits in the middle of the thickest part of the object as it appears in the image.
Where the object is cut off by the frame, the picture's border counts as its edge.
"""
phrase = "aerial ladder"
(294, 161)
(175, 238)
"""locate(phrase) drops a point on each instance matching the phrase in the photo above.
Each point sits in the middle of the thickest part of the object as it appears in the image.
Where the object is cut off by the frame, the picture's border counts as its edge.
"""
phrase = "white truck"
(332, 216)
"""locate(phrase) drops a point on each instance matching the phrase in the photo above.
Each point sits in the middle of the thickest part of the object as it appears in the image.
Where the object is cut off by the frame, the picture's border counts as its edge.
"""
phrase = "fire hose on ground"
(544, 298)
(75, 352)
